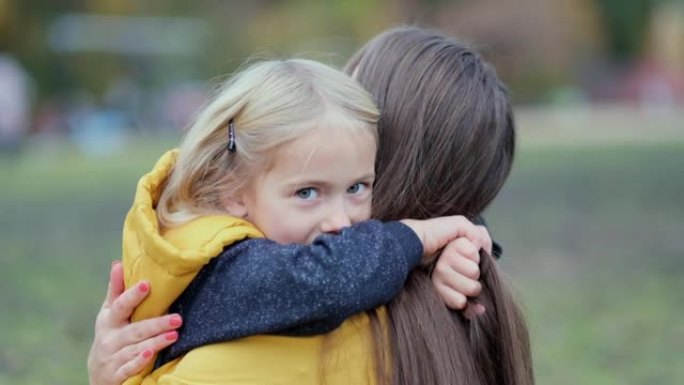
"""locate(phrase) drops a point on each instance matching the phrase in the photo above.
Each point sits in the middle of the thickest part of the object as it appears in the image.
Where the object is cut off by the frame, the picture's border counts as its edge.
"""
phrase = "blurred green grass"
(592, 239)
(591, 235)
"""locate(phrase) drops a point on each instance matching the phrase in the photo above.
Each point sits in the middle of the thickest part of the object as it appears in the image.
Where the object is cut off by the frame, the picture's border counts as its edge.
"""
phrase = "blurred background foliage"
(92, 91)
(539, 46)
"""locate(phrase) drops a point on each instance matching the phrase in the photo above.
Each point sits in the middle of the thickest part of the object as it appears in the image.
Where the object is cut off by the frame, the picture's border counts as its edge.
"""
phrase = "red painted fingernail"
(147, 353)
(171, 336)
(144, 287)
(175, 320)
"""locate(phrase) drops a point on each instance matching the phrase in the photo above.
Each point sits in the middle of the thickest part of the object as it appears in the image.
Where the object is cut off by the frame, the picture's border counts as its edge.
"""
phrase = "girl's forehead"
(325, 153)
(328, 143)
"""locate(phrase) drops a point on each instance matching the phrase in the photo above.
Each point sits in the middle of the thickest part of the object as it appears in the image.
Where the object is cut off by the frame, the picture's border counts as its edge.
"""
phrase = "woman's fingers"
(154, 344)
(122, 307)
(134, 357)
(112, 328)
(118, 352)
(121, 349)
(150, 331)
(134, 366)
(116, 284)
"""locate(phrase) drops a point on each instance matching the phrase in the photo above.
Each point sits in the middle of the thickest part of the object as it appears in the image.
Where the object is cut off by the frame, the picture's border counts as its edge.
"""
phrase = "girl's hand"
(456, 273)
(121, 349)
(436, 233)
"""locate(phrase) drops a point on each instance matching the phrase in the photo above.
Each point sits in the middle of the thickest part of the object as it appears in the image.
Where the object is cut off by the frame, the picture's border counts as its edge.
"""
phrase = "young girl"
(285, 151)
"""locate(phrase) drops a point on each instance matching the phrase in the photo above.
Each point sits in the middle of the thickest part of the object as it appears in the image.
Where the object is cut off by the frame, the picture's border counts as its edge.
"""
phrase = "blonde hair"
(270, 103)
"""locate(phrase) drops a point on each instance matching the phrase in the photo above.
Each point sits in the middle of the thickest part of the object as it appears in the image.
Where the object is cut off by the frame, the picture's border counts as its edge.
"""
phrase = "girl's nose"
(337, 219)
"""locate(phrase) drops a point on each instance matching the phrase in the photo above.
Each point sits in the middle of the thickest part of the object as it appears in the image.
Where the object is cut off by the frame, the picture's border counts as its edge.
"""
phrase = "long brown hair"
(446, 147)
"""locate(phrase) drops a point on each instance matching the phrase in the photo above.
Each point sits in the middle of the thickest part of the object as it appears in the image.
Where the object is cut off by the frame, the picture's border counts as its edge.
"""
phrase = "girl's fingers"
(487, 242)
(462, 247)
(473, 233)
(477, 308)
(473, 310)
(150, 330)
(123, 305)
(453, 299)
(447, 276)
(466, 267)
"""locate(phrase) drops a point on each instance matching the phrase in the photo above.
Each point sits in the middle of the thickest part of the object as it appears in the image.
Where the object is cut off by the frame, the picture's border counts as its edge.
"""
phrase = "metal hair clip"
(231, 136)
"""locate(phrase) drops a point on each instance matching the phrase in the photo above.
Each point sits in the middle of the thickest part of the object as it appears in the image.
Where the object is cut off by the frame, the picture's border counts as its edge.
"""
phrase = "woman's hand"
(121, 349)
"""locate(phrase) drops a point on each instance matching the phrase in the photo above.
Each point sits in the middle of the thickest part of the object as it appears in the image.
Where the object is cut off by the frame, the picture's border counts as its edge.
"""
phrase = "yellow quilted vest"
(171, 260)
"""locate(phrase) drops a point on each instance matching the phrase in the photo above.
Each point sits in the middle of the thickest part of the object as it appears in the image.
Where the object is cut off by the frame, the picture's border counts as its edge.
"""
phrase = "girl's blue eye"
(307, 194)
(357, 188)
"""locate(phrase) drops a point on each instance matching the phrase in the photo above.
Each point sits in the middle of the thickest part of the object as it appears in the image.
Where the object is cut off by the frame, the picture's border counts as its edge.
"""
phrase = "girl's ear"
(234, 205)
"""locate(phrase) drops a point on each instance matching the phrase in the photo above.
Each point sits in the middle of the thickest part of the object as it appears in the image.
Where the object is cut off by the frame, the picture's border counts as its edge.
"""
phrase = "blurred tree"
(306, 26)
(625, 23)
(536, 45)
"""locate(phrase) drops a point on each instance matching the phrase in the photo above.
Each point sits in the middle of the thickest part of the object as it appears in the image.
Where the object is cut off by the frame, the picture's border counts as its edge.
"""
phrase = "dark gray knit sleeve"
(259, 287)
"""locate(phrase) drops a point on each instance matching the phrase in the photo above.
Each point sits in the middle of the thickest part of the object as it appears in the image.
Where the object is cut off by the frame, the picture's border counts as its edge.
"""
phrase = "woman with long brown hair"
(447, 142)
(446, 147)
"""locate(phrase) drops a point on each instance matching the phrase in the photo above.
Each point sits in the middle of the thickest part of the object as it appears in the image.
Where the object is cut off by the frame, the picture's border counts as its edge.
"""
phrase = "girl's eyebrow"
(321, 182)
(367, 176)
(297, 184)
(306, 183)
